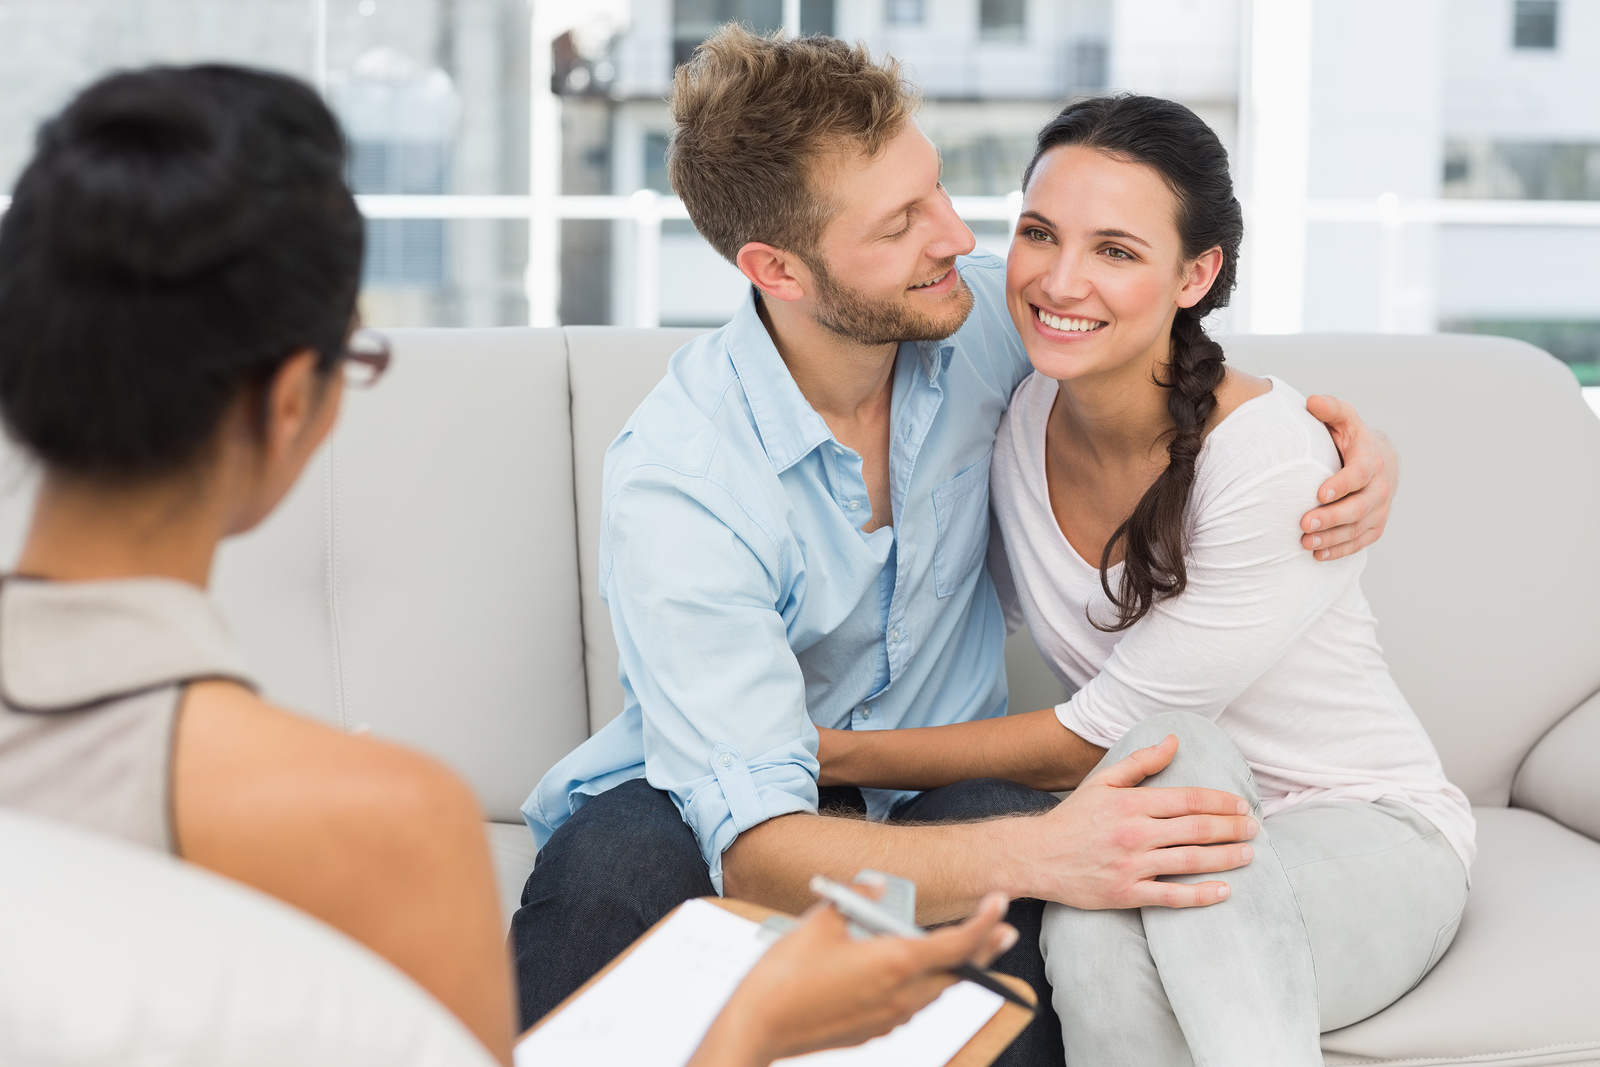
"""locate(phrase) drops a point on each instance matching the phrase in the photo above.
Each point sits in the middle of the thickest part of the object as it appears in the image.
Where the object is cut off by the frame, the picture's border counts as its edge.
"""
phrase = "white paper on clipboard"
(653, 1008)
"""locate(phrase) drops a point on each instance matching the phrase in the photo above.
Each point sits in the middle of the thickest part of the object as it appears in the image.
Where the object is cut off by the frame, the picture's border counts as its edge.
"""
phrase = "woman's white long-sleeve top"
(1279, 649)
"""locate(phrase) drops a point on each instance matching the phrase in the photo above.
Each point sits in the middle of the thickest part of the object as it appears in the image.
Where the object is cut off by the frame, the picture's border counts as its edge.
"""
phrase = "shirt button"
(866, 713)
(838, 451)
(894, 635)
(725, 759)
(855, 505)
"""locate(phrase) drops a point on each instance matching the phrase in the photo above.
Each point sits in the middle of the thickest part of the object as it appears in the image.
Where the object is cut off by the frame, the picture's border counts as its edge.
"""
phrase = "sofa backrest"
(434, 574)
(1486, 584)
(422, 579)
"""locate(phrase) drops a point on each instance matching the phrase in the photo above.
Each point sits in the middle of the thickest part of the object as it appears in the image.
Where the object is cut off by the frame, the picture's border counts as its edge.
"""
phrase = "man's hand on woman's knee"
(1106, 844)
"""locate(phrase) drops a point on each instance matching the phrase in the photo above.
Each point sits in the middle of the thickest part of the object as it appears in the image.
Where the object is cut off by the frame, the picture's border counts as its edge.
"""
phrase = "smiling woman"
(1147, 496)
(1094, 280)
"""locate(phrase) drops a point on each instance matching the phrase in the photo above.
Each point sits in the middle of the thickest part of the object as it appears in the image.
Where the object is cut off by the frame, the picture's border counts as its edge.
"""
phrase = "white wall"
(1495, 91)
(698, 286)
(1513, 272)
(1377, 108)
(1184, 50)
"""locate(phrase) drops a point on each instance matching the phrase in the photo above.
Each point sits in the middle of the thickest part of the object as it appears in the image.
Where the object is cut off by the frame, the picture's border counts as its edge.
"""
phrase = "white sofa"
(434, 577)
(113, 955)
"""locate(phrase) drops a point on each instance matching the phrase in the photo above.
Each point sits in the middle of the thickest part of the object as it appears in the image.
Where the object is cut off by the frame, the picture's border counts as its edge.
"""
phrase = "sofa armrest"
(114, 953)
(1561, 775)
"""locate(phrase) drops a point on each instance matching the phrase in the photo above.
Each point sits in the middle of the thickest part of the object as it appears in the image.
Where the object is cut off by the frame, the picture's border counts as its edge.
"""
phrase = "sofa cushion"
(115, 954)
(1521, 984)
(512, 849)
(1558, 778)
(420, 578)
(1486, 585)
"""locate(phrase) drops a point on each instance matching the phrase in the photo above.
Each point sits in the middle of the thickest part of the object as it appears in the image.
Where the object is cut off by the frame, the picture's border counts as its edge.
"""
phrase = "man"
(794, 532)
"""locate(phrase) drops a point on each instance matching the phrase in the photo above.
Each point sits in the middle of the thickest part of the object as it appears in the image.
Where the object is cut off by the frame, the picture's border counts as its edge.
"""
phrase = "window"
(695, 20)
(1534, 24)
(816, 16)
(904, 12)
(1522, 170)
(984, 164)
(1576, 342)
(1088, 59)
(655, 163)
(401, 118)
(1002, 20)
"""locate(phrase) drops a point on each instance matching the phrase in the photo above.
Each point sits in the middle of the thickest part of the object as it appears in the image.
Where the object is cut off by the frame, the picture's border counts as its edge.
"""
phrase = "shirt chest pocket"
(961, 518)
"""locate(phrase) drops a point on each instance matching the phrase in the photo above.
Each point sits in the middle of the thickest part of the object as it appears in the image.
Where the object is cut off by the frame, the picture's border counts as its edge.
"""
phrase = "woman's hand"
(1356, 499)
(819, 988)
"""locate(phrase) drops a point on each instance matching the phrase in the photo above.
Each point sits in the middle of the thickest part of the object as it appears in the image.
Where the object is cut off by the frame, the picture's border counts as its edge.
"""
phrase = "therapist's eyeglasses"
(365, 358)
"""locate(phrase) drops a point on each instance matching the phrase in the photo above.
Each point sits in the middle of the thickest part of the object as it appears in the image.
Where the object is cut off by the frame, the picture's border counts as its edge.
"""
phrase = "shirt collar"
(935, 357)
(789, 426)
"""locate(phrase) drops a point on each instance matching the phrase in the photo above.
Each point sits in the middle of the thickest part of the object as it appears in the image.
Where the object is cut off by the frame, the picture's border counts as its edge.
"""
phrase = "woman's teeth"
(932, 281)
(1056, 322)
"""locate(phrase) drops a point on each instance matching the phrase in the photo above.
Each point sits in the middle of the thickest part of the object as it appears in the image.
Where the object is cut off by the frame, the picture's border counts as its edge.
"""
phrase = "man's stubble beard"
(865, 321)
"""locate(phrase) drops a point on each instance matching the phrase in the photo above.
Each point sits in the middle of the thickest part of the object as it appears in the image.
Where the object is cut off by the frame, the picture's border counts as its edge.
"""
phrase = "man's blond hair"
(754, 115)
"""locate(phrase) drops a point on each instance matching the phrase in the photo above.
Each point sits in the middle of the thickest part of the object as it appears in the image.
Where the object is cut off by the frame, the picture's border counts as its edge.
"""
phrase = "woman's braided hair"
(1174, 142)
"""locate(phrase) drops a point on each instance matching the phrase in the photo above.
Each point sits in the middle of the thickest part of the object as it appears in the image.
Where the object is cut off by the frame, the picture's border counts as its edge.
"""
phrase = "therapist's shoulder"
(988, 340)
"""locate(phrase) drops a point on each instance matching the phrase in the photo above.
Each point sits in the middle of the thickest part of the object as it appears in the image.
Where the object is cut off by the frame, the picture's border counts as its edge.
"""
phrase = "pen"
(866, 914)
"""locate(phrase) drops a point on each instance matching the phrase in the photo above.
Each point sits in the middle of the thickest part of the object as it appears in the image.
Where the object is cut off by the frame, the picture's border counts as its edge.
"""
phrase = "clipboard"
(982, 1050)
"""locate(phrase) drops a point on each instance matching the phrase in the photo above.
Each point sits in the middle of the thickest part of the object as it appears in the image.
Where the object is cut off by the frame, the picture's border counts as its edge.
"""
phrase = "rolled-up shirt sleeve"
(696, 589)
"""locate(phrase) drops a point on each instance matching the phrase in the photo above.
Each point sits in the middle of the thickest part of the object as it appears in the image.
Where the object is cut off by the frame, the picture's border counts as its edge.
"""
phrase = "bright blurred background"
(1406, 166)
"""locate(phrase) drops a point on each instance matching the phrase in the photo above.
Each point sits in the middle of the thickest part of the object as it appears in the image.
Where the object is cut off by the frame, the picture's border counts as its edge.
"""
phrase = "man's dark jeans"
(626, 859)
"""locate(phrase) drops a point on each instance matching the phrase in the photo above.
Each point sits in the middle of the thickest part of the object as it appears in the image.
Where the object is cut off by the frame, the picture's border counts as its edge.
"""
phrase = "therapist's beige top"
(91, 676)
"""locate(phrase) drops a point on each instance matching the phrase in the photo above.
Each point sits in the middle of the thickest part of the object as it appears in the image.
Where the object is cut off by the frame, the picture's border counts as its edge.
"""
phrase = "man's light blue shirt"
(748, 604)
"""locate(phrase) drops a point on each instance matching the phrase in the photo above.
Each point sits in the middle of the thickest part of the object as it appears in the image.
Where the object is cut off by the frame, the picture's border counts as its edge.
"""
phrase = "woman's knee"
(1185, 726)
(1206, 756)
(1079, 944)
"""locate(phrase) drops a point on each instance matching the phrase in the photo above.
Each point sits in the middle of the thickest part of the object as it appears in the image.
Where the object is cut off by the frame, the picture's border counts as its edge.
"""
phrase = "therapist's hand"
(819, 988)
(1355, 501)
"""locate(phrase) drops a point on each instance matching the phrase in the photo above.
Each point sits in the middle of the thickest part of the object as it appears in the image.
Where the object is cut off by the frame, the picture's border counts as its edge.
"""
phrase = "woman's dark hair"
(1172, 141)
(179, 233)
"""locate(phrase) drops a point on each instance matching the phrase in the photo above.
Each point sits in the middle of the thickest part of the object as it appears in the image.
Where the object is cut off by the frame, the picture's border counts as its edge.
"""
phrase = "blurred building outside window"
(400, 119)
(1002, 20)
(1410, 167)
(1535, 23)
(904, 12)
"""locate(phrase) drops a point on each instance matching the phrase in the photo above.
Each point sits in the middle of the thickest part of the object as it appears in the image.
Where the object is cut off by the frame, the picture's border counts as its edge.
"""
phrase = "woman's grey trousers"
(1344, 908)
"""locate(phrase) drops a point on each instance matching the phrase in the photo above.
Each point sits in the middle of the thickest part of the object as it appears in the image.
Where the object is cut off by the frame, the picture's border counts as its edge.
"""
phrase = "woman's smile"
(1065, 328)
